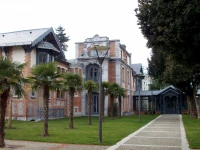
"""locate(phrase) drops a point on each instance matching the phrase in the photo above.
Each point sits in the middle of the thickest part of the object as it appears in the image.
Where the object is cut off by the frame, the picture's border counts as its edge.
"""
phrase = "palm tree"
(10, 77)
(121, 93)
(113, 92)
(105, 86)
(90, 86)
(46, 78)
(72, 83)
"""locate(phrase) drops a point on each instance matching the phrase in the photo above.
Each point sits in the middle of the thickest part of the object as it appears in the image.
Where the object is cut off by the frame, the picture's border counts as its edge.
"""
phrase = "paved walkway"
(27, 145)
(164, 133)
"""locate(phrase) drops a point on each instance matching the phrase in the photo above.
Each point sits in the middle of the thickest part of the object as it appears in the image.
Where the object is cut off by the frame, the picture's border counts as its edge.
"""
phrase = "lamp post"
(140, 77)
(101, 48)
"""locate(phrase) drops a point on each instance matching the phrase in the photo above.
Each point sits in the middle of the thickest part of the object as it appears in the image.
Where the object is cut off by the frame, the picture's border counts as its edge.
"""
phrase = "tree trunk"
(71, 109)
(102, 104)
(120, 103)
(196, 101)
(89, 107)
(3, 103)
(46, 109)
(189, 106)
(192, 106)
(111, 107)
(10, 110)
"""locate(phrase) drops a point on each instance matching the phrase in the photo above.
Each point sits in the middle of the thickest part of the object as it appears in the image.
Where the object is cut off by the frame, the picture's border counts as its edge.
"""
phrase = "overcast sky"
(81, 19)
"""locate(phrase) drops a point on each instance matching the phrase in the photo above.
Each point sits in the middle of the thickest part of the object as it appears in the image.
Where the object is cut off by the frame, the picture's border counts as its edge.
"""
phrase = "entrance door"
(95, 103)
(170, 105)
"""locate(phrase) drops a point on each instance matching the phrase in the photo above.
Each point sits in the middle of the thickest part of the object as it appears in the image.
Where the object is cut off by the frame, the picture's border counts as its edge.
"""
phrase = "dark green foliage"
(157, 64)
(11, 76)
(172, 26)
(60, 32)
(156, 85)
(72, 83)
(90, 86)
(11, 79)
(45, 77)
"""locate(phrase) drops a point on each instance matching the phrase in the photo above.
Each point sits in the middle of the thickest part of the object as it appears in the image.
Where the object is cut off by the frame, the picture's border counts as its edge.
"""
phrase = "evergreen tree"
(60, 32)
(172, 28)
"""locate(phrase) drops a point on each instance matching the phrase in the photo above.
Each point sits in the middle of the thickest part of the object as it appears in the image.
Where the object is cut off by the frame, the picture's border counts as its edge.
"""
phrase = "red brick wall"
(112, 49)
(112, 72)
(80, 49)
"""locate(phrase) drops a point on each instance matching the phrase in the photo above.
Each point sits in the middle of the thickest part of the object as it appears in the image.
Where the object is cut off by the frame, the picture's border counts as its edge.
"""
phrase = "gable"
(30, 39)
(171, 90)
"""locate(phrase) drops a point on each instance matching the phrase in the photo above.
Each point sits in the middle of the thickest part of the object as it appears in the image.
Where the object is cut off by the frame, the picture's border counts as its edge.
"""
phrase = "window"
(75, 108)
(15, 95)
(60, 94)
(123, 104)
(122, 74)
(128, 60)
(44, 57)
(129, 102)
(33, 95)
(76, 94)
(128, 77)
(92, 73)
(63, 70)
(58, 70)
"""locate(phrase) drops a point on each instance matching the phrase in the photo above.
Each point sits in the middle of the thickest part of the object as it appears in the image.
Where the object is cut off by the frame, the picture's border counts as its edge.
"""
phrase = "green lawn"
(192, 129)
(113, 130)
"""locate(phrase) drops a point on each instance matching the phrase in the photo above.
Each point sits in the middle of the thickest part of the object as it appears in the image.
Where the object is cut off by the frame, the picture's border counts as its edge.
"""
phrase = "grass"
(113, 130)
(192, 129)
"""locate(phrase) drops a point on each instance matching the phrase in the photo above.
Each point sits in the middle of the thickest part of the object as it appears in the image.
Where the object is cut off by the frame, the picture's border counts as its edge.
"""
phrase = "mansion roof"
(25, 37)
(41, 38)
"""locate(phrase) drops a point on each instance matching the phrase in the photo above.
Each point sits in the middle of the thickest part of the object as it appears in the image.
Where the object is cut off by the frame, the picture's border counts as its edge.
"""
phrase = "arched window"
(92, 72)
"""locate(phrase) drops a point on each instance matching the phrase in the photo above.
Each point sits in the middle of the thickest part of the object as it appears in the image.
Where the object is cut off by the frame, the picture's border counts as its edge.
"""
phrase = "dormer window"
(44, 57)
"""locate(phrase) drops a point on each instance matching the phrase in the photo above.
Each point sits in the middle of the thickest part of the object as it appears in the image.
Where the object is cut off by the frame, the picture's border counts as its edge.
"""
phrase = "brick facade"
(114, 65)
(115, 68)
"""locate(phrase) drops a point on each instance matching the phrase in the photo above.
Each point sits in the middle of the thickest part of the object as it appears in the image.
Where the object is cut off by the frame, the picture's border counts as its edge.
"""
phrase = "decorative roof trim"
(47, 45)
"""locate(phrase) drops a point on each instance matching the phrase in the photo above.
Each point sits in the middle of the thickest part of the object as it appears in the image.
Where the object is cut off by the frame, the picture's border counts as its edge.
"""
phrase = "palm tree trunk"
(89, 107)
(10, 110)
(71, 109)
(3, 104)
(120, 103)
(46, 109)
(111, 103)
(102, 104)
(10, 115)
